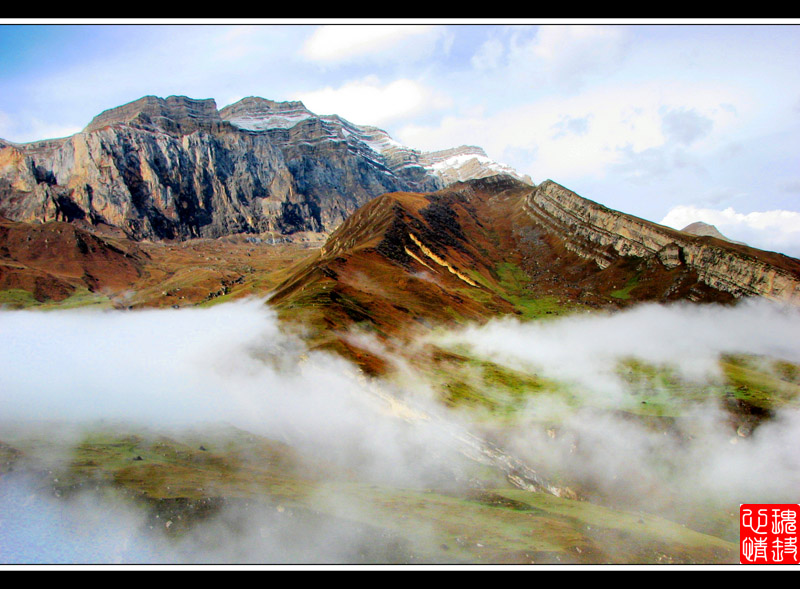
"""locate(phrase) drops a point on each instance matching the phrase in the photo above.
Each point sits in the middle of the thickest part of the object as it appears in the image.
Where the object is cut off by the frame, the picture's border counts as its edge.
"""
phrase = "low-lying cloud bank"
(233, 363)
(170, 368)
(587, 349)
(166, 370)
(88, 529)
(702, 458)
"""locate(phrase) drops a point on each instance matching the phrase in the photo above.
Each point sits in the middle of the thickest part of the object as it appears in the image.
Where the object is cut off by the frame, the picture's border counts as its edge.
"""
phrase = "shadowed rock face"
(178, 168)
(156, 185)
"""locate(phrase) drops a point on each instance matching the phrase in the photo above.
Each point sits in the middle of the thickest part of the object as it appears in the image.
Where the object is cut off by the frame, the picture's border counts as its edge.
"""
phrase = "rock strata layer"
(603, 235)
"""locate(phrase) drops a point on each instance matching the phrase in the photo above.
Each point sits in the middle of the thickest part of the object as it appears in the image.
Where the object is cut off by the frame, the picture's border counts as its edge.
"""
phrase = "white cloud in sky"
(33, 129)
(777, 230)
(685, 125)
(368, 102)
(488, 55)
(588, 133)
(560, 55)
(338, 43)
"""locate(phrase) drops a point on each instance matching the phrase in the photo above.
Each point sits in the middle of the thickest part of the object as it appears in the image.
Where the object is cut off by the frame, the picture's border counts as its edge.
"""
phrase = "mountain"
(178, 168)
(419, 236)
(55, 260)
(413, 166)
(497, 246)
(700, 228)
(607, 236)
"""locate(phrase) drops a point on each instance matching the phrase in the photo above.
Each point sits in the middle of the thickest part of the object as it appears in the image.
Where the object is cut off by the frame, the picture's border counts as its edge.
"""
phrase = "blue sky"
(673, 122)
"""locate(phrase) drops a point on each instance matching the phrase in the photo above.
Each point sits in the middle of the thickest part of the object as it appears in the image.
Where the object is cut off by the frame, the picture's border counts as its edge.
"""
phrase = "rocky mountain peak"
(704, 229)
(258, 114)
(447, 166)
(177, 168)
(171, 114)
(464, 163)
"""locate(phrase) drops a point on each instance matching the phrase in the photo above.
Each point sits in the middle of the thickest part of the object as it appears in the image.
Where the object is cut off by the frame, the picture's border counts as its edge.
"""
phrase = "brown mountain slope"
(403, 260)
(495, 246)
(51, 261)
(59, 264)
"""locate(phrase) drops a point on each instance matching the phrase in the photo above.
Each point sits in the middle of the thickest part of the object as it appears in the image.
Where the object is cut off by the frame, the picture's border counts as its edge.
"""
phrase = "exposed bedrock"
(602, 234)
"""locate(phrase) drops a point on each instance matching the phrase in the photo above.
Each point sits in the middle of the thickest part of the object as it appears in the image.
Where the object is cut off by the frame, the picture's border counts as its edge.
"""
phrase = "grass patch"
(81, 297)
(16, 298)
(514, 283)
(624, 293)
(762, 382)
(466, 381)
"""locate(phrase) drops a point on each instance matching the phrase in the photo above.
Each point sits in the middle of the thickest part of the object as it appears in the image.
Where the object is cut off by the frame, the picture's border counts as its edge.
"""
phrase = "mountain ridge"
(179, 168)
(491, 247)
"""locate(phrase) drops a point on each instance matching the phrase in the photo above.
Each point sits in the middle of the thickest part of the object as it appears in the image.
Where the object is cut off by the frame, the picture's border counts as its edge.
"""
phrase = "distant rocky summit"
(704, 229)
(179, 168)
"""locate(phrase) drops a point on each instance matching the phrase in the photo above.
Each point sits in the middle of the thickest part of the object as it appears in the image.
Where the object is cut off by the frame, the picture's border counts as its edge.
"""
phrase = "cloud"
(165, 370)
(569, 54)
(342, 43)
(234, 363)
(231, 363)
(775, 230)
(655, 164)
(591, 134)
(489, 55)
(103, 528)
(685, 126)
(369, 102)
(567, 125)
(586, 349)
(596, 441)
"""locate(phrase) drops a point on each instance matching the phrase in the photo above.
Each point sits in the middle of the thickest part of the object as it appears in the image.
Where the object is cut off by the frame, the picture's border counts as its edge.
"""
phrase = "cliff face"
(154, 184)
(604, 235)
(420, 171)
(178, 168)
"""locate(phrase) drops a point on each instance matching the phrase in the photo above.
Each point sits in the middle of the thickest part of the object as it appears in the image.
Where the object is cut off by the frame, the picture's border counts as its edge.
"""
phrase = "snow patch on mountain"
(449, 165)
